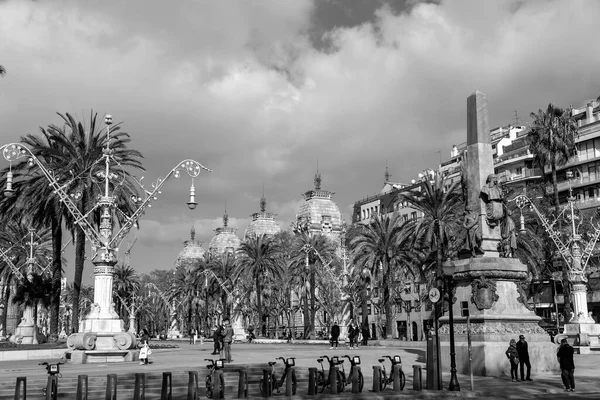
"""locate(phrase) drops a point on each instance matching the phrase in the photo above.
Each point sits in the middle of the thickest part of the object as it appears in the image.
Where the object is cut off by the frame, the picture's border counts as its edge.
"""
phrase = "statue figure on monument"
(492, 196)
(509, 237)
(472, 233)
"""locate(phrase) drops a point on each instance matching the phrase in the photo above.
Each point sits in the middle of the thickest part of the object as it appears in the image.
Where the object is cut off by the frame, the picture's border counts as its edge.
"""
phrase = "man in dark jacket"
(217, 339)
(567, 365)
(335, 334)
(523, 351)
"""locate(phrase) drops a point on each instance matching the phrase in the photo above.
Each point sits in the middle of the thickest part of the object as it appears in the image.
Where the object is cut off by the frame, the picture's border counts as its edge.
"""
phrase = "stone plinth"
(488, 288)
(585, 337)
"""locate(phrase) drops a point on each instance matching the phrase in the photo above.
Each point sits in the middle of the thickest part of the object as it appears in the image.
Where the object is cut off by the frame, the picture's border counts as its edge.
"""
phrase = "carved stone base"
(584, 337)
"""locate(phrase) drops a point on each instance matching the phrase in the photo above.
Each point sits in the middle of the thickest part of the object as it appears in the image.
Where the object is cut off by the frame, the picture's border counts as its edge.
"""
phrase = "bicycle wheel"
(321, 382)
(383, 380)
(402, 380)
(294, 383)
(222, 386)
(261, 386)
(340, 382)
(54, 393)
(209, 390)
(361, 381)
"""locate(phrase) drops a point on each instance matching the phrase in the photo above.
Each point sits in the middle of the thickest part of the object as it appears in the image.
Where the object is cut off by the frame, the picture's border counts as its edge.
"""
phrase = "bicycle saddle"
(319, 360)
(271, 363)
(381, 360)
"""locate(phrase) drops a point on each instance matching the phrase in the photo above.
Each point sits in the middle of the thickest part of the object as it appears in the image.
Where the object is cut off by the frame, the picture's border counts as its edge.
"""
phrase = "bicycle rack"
(52, 379)
(167, 386)
(267, 384)
(21, 380)
(111, 387)
(312, 381)
(333, 379)
(354, 380)
(243, 385)
(397, 386)
(288, 381)
(193, 386)
(376, 378)
(139, 391)
(219, 392)
(82, 387)
(417, 378)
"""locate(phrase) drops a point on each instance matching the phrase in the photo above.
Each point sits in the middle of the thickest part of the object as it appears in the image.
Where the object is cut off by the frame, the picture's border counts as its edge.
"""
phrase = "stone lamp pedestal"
(581, 331)
(488, 290)
(26, 332)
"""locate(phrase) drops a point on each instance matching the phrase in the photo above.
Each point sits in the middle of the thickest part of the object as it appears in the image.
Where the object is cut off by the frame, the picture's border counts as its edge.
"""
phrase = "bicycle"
(214, 366)
(53, 371)
(322, 381)
(354, 362)
(277, 384)
(383, 378)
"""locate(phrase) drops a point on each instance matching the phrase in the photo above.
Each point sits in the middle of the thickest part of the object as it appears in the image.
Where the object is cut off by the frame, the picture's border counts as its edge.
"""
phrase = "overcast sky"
(259, 90)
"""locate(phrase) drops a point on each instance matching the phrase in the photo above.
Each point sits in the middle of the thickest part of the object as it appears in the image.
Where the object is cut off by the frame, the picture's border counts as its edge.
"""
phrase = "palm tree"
(384, 245)
(34, 291)
(552, 140)
(126, 284)
(258, 257)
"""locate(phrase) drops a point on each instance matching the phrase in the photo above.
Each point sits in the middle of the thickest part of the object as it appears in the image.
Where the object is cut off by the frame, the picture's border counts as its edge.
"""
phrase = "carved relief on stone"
(496, 329)
(521, 289)
(483, 293)
(490, 274)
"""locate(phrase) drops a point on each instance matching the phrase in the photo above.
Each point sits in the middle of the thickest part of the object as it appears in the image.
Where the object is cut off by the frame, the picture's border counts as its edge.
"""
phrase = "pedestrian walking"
(351, 334)
(217, 339)
(227, 339)
(523, 350)
(335, 335)
(195, 335)
(365, 333)
(192, 333)
(145, 347)
(513, 357)
(567, 365)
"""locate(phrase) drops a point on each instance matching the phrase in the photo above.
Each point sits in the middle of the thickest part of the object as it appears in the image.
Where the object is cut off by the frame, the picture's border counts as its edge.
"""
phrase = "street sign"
(434, 295)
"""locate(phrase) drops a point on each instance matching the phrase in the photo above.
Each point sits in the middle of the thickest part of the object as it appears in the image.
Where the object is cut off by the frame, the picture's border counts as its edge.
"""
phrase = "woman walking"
(513, 357)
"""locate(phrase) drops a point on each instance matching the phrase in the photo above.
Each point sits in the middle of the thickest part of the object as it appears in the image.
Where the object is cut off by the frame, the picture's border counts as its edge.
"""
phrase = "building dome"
(192, 251)
(225, 239)
(263, 223)
(319, 213)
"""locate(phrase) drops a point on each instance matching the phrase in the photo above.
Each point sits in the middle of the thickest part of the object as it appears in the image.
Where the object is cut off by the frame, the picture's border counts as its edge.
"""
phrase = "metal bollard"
(354, 380)
(333, 380)
(193, 386)
(417, 378)
(312, 381)
(397, 386)
(111, 387)
(18, 395)
(267, 385)
(167, 386)
(289, 379)
(219, 392)
(139, 391)
(82, 387)
(243, 385)
(52, 381)
(376, 378)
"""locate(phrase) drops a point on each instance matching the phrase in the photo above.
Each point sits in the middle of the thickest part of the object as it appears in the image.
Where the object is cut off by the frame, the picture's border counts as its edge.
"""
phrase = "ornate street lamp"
(103, 320)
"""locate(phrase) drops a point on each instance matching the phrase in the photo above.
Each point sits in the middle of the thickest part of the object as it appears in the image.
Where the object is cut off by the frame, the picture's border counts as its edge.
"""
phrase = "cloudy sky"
(259, 90)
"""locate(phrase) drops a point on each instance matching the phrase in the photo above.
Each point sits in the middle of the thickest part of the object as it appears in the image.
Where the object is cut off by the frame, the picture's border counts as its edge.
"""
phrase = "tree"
(552, 140)
(126, 284)
(258, 257)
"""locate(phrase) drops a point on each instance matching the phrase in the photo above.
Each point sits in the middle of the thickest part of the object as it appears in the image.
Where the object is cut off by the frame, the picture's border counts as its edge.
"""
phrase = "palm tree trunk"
(312, 301)
(259, 305)
(387, 304)
(56, 276)
(565, 275)
(364, 305)
(306, 313)
(79, 264)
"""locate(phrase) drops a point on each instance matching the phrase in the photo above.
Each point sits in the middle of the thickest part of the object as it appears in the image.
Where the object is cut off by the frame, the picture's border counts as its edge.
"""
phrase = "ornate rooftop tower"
(192, 251)
(320, 213)
(225, 239)
(263, 222)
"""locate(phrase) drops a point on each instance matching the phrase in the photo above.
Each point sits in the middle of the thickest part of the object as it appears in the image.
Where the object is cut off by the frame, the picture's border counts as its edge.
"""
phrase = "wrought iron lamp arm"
(14, 151)
(192, 168)
(12, 266)
(589, 248)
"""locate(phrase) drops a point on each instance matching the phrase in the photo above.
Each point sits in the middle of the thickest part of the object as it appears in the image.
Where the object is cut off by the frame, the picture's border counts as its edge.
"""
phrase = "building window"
(368, 309)
(413, 215)
(404, 217)
(464, 308)
(519, 170)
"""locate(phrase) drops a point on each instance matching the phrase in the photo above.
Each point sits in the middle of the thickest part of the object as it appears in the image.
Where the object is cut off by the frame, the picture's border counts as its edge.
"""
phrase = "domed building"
(225, 239)
(192, 251)
(319, 213)
(263, 222)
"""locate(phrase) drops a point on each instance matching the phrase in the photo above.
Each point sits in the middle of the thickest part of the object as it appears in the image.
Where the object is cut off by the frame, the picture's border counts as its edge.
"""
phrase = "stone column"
(580, 303)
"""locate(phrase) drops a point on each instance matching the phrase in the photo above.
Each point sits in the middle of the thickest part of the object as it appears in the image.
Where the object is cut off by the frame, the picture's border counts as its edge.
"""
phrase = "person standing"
(567, 365)
(523, 351)
(145, 349)
(335, 335)
(365, 333)
(192, 333)
(217, 338)
(513, 357)
(227, 339)
(351, 334)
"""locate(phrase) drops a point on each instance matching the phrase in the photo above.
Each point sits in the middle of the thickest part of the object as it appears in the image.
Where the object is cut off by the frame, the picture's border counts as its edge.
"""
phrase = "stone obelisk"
(488, 288)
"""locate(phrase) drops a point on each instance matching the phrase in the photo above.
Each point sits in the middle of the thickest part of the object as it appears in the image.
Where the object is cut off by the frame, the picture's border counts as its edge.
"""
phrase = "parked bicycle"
(323, 380)
(277, 384)
(53, 370)
(214, 366)
(354, 362)
(383, 378)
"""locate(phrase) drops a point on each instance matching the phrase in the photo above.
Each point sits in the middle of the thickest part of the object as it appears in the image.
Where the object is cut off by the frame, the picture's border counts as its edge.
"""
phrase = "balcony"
(526, 174)
(511, 158)
(577, 182)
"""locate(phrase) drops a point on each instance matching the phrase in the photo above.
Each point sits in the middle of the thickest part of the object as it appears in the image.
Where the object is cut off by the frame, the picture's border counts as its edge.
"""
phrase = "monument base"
(100, 356)
(24, 334)
(487, 290)
(585, 337)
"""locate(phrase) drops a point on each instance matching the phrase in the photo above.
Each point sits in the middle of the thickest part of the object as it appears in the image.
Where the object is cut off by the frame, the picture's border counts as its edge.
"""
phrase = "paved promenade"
(187, 358)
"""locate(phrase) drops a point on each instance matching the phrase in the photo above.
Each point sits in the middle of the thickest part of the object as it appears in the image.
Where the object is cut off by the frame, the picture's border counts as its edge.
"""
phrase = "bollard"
(111, 387)
(397, 385)
(312, 381)
(18, 395)
(139, 391)
(267, 385)
(376, 378)
(52, 382)
(354, 379)
(243, 385)
(193, 386)
(219, 392)
(333, 380)
(82, 387)
(290, 378)
(167, 386)
(417, 378)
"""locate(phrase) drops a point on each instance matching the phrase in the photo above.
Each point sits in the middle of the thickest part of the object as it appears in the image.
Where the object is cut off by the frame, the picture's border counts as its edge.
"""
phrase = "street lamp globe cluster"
(102, 329)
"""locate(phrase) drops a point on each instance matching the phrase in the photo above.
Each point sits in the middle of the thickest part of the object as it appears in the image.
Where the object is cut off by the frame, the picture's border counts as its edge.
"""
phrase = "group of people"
(222, 339)
(518, 354)
(356, 335)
